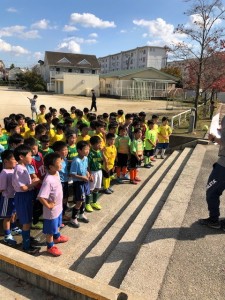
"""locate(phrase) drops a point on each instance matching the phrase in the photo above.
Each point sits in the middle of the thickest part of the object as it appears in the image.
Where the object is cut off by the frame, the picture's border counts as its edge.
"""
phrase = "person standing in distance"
(93, 101)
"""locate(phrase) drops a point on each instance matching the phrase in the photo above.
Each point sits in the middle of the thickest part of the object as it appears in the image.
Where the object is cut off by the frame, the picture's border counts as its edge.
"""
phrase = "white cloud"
(69, 28)
(18, 31)
(69, 46)
(12, 10)
(159, 32)
(16, 50)
(90, 20)
(123, 31)
(38, 55)
(94, 35)
(42, 24)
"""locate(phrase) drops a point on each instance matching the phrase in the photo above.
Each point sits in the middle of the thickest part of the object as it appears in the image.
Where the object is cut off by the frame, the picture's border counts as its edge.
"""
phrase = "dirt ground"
(15, 101)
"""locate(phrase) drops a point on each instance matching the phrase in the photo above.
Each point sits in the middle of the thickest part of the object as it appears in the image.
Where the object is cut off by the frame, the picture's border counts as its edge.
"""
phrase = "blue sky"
(28, 28)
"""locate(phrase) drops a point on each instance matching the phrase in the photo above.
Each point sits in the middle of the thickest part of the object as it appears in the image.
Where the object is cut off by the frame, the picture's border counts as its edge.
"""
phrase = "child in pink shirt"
(51, 196)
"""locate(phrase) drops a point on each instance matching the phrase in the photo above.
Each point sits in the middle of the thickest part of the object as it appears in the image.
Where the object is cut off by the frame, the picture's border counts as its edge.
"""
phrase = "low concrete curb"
(155, 254)
(57, 280)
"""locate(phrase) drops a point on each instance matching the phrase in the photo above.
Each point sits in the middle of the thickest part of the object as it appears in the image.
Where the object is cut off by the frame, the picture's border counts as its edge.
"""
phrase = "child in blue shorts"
(24, 188)
(51, 196)
(7, 206)
(81, 189)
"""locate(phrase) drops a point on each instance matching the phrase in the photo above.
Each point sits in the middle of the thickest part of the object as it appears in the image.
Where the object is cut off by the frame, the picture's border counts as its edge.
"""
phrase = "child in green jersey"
(150, 143)
(44, 148)
(136, 149)
(95, 169)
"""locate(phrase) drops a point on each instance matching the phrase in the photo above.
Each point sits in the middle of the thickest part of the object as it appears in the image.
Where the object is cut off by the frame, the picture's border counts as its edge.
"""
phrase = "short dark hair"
(50, 158)
(95, 140)
(19, 117)
(112, 125)
(136, 130)
(86, 110)
(81, 145)
(150, 122)
(16, 139)
(21, 150)
(155, 117)
(105, 115)
(122, 127)
(30, 142)
(165, 119)
(55, 121)
(110, 135)
(30, 122)
(59, 145)
(60, 126)
(82, 126)
(70, 133)
(128, 116)
(44, 138)
(48, 116)
(6, 155)
(39, 129)
(11, 125)
(120, 112)
(42, 106)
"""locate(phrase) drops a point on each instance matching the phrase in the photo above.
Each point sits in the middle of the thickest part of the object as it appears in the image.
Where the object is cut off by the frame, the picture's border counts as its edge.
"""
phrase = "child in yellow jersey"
(72, 112)
(109, 157)
(20, 119)
(136, 150)
(150, 143)
(59, 135)
(84, 136)
(164, 132)
(120, 119)
(41, 117)
(31, 131)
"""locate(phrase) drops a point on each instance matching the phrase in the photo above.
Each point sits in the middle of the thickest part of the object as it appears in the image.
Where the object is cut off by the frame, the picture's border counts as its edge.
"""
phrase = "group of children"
(41, 157)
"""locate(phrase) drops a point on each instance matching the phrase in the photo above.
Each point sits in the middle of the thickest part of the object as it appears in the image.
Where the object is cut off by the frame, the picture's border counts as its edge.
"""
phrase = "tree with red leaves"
(203, 39)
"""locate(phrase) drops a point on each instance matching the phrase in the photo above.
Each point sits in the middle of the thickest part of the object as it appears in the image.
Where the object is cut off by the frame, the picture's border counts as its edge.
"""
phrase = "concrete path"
(197, 266)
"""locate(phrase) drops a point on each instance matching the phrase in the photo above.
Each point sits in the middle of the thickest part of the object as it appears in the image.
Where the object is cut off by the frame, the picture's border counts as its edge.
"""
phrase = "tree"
(12, 66)
(31, 81)
(203, 39)
(176, 72)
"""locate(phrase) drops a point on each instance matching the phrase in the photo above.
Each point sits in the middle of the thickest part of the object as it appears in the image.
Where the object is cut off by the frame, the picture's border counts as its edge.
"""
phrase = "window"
(57, 69)
(81, 71)
(70, 70)
(93, 71)
(143, 59)
(143, 51)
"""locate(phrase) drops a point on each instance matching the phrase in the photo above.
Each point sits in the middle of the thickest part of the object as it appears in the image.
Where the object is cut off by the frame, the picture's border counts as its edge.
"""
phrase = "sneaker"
(119, 180)
(153, 158)
(126, 177)
(137, 179)
(210, 223)
(54, 251)
(75, 223)
(16, 231)
(107, 192)
(61, 239)
(34, 241)
(111, 190)
(147, 166)
(9, 240)
(88, 208)
(162, 156)
(31, 250)
(39, 225)
(62, 226)
(83, 218)
(96, 205)
(133, 182)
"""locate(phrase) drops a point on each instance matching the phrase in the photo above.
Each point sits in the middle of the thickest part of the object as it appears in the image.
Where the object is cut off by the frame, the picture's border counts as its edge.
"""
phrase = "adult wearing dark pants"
(93, 101)
(216, 184)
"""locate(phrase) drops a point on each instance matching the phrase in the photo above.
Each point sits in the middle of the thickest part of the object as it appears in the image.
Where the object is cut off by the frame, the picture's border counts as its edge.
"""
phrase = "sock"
(88, 199)
(156, 152)
(64, 208)
(124, 171)
(106, 183)
(7, 232)
(50, 245)
(146, 160)
(118, 171)
(163, 152)
(56, 236)
(95, 197)
(75, 213)
(26, 239)
(13, 225)
(82, 208)
(131, 174)
(135, 173)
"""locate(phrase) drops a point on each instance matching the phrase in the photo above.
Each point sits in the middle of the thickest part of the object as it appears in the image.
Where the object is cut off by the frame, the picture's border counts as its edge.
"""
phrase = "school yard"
(15, 101)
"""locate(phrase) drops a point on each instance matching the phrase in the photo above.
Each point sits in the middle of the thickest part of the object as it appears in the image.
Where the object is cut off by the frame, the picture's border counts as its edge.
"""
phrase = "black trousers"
(93, 105)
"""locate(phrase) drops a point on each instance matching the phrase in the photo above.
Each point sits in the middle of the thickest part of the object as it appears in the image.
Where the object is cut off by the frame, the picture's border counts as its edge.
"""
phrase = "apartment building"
(138, 58)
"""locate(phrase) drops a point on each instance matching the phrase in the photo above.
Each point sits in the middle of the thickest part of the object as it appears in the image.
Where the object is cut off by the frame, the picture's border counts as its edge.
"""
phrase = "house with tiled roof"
(60, 69)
